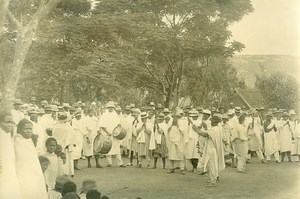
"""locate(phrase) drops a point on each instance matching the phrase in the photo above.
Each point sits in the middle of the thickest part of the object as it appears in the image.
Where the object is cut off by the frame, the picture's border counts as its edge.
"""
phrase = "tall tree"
(24, 17)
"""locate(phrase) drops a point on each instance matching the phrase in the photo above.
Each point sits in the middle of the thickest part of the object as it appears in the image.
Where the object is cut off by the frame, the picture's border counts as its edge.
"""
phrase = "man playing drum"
(108, 122)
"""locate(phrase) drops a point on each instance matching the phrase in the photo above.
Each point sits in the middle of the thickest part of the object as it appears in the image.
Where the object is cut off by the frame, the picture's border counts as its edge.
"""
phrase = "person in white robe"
(161, 149)
(91, 126)
(254, 136)
(46, 122)
(271, 142)
(240, 140)
(143, 131)
(38, 132)
(176, 142)
(29, 171)
(54, 169)
(135, 112)
(191, 147)
(108, 122)
(9, 184)
(63, 132)
(285, 137)
(214, 161)
(227, 131)
(80, 133)
(126, 123)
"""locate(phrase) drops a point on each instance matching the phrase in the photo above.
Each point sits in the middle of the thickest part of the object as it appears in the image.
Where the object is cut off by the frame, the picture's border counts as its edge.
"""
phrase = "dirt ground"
(273, 180)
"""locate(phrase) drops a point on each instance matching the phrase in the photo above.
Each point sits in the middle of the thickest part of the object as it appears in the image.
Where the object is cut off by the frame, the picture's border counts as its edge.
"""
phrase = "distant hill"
(249, 65)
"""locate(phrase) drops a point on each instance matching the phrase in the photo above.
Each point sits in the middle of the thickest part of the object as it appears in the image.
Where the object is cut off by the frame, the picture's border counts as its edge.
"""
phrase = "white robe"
(29, 171)
(9, 184)
(91, 126)
(110, 121)
(285, 137)
(63, 133)
(191, 149)
(79, 131)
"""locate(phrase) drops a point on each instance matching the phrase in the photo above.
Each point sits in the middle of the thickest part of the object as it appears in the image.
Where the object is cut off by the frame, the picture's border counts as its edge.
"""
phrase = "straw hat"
(110, 104)
(63, 117)
(144, 115)
(193, 113)
(206, 111)
(166, 110)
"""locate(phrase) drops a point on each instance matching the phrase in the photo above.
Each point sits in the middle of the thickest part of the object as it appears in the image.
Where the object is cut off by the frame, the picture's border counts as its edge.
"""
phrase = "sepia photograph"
(149, 99)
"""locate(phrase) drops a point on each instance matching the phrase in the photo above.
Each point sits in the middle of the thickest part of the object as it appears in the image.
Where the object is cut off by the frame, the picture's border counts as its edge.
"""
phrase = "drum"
(102, 144)
(119, 133)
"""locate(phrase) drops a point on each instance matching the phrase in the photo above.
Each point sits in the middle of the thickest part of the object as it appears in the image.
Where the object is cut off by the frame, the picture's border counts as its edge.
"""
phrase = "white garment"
(79, 131)
(91, 125)
(17, 116)
(110, 120)
(63, 132)
(9, 184)
(285, 137)
(191, 150)
(29, 171)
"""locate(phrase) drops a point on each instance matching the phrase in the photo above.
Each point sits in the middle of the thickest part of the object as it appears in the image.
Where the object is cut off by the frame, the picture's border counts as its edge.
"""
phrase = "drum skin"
(102, 144)
(119, 133)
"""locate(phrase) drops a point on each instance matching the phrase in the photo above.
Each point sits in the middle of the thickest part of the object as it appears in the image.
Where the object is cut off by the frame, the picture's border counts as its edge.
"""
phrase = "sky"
(273, 28)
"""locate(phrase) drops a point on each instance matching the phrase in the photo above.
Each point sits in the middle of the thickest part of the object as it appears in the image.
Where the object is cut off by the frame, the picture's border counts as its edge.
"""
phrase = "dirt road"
(274, 180)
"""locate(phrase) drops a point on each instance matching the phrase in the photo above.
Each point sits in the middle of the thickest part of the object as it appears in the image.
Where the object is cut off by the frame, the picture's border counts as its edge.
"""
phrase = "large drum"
(119, 133)
(102, 144)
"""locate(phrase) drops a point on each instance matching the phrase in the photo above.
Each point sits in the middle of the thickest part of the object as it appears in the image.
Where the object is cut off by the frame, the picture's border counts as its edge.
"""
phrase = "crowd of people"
(43, 144)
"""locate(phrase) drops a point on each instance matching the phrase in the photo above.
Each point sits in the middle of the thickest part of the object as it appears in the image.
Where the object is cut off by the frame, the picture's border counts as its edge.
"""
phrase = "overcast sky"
(273, 28)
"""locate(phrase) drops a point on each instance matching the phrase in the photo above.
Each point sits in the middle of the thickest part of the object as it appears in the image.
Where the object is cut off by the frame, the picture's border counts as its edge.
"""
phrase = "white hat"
(193, 113)
(292, 112)
(110, 104)
(144, 115)
(206, 111)
(230, 112)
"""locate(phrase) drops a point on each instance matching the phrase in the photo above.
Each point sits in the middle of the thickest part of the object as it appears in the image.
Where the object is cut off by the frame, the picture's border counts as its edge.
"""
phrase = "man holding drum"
(108, 122)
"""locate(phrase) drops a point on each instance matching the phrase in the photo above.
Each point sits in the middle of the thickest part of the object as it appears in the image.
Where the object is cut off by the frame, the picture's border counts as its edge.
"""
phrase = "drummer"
(108, 122)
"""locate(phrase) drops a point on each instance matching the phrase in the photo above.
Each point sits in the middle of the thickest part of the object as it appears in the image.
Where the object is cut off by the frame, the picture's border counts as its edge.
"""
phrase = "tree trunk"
(3, 12)
(24, 41)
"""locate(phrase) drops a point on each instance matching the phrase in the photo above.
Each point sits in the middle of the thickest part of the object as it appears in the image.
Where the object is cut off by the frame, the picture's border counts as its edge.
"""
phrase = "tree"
(169, 34)
(278, 90)
(24, 17)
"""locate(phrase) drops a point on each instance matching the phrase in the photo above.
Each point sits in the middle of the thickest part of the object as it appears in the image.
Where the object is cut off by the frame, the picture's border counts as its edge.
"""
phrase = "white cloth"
(17, 116)
(38, 130)
(80, 132)
(214, 151)
(176, 143)
(54, 169)
(110, 120)
(63, 133)
(29, 171)
(285, 137)
(9, 184)
(271, 142)
(191, 149)
(91, 126)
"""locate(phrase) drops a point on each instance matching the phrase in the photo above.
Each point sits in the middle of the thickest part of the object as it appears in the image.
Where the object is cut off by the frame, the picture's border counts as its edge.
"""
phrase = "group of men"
(206, 138)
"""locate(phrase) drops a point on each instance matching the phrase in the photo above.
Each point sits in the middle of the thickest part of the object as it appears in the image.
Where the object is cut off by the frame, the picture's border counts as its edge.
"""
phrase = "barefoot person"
(175, 144)
(108, 122)
(63, 132)
(240, 139)
(214, 161)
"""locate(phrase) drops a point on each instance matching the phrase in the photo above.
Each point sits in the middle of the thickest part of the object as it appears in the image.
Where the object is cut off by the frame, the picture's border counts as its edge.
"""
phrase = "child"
(44, 162)
(55, 168)
(87, 185)
(93, 194)
(29, 172)
(59, 182)
(68, 187)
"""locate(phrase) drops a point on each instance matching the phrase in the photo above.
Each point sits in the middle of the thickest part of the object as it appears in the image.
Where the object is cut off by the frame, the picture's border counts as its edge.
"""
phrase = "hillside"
(249, 65)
